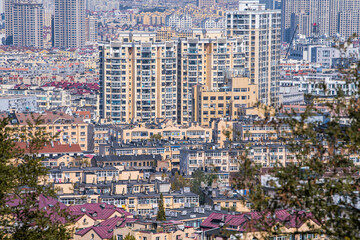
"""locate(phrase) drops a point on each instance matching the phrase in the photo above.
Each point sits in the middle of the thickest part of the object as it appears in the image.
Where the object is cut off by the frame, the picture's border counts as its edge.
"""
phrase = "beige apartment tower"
(224, 103)
(143, 80)
(90, 29)
(205, 61)
(138, 80)
(24, 23)
(69, 24)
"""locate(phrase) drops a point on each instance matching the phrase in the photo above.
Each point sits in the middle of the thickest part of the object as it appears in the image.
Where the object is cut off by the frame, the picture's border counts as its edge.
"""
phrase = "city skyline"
(186, 120)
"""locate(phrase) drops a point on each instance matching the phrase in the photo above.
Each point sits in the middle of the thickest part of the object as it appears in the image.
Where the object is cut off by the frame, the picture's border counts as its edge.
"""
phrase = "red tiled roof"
(248, 220)
(55, 148)
(47, 204)
(104, 229)
(103, 210)
(47, 117)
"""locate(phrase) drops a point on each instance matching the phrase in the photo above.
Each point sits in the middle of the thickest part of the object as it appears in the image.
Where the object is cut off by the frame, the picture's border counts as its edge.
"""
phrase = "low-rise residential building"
(294, 225)
(56, 154)
(168, 130)
(146, 202)
(119, 228)
(225, 103)
(227, 198)
(64, 128)
(143, 161)
(18, 103)
(260, 132)
(207, 160)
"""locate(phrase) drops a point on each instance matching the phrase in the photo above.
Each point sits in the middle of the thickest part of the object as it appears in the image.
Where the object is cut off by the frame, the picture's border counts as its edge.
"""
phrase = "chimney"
(213, 194)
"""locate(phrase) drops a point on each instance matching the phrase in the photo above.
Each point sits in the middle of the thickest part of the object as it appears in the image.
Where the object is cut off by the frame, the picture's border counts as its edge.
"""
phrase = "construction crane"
(292, 39)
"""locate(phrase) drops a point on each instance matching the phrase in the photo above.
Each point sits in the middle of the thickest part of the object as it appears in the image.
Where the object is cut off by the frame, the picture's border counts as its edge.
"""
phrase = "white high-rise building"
(69, 24)
(261, 31)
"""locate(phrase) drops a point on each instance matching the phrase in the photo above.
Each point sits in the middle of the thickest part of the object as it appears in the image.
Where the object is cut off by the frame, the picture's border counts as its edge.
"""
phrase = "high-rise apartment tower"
(329, 16)
(24, 23)
(69, 24)
(138, 80)
(261, 31)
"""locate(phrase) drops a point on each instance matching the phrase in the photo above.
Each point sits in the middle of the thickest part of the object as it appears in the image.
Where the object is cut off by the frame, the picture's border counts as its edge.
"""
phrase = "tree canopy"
(320, 177)
(161, 212)
(21, 174)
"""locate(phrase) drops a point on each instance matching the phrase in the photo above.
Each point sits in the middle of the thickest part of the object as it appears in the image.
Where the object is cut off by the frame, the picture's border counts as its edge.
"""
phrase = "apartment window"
(119, 237)
(82, 134)
(77, 174)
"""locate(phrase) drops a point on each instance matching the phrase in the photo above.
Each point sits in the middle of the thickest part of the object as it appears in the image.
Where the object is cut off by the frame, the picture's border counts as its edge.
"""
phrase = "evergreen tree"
(161, 212)
(320, 176)
(129, 237)
(178, 181)
(20, 188)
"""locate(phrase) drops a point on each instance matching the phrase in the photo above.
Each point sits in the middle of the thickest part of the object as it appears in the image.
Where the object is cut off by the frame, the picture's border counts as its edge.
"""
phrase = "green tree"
(178, 181)
(161, 212)
(322, 177)
(155, 137)
(20, 176)
(129, 237)
(198, 177)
